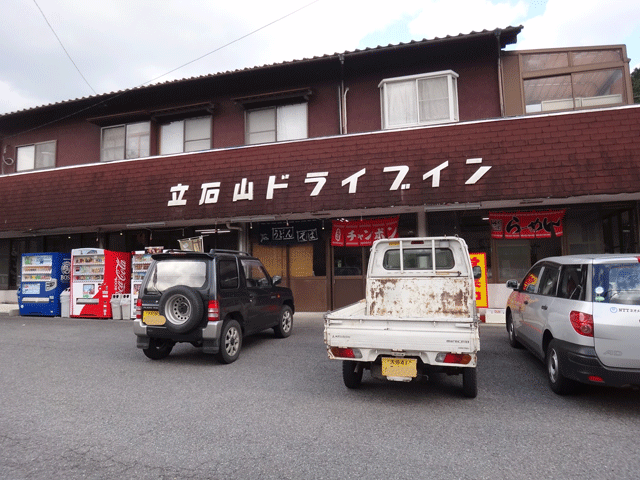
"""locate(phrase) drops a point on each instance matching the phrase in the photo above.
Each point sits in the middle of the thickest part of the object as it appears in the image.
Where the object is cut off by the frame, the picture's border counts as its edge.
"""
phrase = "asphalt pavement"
(79, 400)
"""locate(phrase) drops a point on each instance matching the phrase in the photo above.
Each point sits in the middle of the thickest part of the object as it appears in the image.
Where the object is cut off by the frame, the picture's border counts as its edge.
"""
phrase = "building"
(524, 154)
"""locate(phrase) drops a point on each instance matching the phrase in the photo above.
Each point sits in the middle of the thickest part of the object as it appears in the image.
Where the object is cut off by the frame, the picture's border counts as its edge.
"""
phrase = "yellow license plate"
(399, 367)
(153, 318)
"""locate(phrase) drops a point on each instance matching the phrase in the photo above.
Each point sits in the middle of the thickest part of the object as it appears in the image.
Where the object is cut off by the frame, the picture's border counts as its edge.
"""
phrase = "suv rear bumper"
(209, 335)
(579, 363)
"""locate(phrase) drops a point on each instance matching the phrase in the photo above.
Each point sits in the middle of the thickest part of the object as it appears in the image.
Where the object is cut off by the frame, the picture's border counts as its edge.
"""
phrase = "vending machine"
(44, 276)
(96, 274)
(140, 261)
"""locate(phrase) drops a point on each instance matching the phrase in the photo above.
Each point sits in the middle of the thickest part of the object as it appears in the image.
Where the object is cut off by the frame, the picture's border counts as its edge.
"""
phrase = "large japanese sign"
(482, 297)
(288, 233)
(243, 191)
(362, 233)
(527, 224)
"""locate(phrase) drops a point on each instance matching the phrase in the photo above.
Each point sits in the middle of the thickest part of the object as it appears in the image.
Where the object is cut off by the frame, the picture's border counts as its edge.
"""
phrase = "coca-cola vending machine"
(96, 274)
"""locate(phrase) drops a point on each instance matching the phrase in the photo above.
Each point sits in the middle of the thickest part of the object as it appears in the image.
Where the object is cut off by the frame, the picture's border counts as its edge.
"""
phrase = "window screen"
(418, 259)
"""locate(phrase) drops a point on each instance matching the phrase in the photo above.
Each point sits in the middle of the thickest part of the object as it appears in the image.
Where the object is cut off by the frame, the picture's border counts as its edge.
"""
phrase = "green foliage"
(635, 82)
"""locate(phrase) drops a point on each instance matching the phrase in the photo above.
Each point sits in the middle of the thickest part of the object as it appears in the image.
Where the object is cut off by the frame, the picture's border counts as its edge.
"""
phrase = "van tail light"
(139, 309)
(213, 311)
(582, 323)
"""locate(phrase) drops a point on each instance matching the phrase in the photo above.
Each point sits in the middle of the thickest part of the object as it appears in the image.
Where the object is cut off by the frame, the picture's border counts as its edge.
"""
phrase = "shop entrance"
(349, 275)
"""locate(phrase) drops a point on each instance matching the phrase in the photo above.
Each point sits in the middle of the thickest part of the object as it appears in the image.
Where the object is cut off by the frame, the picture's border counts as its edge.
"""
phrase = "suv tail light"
(582, 323)
(139, 309)
(213, 311)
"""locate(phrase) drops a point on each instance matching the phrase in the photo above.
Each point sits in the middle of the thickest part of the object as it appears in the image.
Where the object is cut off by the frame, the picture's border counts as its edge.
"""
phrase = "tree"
(635, 83)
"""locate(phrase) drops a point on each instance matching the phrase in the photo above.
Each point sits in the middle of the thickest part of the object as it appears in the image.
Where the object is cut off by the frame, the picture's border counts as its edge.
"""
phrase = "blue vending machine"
(44, 276)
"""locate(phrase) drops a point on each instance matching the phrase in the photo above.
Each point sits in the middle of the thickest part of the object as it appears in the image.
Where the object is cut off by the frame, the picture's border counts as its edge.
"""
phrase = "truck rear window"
(418, 259)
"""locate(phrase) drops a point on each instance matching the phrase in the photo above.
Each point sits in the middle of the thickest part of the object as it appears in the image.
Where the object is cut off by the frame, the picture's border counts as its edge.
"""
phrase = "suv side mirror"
(477, 272)
(512, 284)
(276, 280)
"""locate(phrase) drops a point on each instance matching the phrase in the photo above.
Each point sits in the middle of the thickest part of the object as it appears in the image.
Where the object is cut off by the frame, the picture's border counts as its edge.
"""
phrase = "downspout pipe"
(342, 103)
(497, 32)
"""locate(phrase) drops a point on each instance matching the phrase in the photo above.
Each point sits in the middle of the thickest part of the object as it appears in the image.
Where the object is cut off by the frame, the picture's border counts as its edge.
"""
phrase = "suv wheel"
(158, 348)
(182, 307)
(285, 324)
(558, 383)
(230, 342)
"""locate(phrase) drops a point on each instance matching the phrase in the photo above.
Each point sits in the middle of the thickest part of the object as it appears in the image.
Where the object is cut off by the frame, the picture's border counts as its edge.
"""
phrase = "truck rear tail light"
(213, 311)
(139, 309)
(346, 352)
(459, 358)
(582, 323)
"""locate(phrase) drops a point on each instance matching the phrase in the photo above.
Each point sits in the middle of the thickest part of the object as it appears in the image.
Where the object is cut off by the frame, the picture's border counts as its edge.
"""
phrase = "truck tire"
(352, 373)
(158, 348)
(470, 382)
(183, 308)
(285, 324)
(230, 342)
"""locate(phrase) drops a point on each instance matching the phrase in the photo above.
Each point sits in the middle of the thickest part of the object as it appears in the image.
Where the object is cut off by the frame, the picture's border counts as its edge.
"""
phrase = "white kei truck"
(419, 316)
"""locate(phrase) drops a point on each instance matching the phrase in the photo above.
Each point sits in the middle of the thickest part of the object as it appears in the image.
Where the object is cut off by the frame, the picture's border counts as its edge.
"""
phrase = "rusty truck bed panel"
(442, 297)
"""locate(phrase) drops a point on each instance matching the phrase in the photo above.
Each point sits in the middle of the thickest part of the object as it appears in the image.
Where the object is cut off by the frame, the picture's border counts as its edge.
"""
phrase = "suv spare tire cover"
(182, 306)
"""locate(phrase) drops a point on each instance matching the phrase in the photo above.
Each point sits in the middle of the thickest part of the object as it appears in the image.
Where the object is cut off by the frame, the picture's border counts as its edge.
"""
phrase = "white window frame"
(124, 154)
(27, 156)
(451, 99)
(169, 145)
(280, 134)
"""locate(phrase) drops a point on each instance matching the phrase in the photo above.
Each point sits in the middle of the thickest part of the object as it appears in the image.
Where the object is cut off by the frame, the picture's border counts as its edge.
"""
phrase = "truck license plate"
(399, 367)
(152, 317)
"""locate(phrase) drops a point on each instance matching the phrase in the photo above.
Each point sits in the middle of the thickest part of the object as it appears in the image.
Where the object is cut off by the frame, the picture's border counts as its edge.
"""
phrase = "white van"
(580, 314)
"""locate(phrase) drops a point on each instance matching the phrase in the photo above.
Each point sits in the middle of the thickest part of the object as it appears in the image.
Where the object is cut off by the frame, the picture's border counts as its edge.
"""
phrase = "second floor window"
(276, 124)
(125, 141)
(35, 157)
(190, 135)
(419, 99)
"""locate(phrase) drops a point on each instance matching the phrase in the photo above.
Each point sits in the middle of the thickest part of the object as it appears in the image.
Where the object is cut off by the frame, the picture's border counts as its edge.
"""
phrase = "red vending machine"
(96, 275)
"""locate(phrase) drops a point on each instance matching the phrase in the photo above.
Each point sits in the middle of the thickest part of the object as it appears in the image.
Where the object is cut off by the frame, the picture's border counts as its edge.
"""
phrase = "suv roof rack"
(235, 252)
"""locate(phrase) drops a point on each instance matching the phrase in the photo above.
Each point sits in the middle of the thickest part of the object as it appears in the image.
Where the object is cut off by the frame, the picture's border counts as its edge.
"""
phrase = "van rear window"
(617, 283)
(418, 259)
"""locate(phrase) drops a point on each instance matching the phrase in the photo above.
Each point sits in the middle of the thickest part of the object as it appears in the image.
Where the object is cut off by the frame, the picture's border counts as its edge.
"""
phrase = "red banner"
(362, 233)
(526, 224)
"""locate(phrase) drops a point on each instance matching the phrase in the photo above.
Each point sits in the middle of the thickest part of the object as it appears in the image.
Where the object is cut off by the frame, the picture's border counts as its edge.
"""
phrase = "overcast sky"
(120, 44)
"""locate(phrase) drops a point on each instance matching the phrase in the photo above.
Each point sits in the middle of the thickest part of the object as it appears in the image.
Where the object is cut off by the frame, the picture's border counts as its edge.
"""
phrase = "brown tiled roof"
(506, 36)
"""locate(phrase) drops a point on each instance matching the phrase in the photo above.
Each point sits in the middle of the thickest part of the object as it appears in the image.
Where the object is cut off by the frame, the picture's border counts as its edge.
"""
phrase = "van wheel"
(230, 342)
(158, 348)
(285, 324)
(558, 383)
(183, 308)
(470, 382)
(352, 373)
(513, 341)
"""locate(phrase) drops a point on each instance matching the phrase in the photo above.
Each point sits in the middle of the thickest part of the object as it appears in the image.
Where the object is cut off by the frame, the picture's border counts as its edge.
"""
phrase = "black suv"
(210, 300)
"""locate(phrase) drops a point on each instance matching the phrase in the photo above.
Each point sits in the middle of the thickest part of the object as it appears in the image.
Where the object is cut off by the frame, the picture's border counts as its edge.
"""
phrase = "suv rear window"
(617, 283)
(418, 259)
(169, 273)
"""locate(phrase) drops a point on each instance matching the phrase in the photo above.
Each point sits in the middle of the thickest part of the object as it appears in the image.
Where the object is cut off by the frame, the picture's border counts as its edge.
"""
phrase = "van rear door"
(616, 312)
